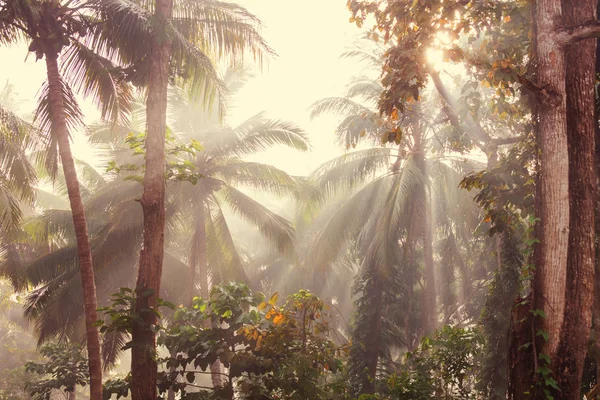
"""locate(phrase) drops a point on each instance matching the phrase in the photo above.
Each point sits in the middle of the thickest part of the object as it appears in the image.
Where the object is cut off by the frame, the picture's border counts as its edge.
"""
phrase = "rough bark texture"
(580, 79)
(551, 260)
(143, 357)
(84, 252)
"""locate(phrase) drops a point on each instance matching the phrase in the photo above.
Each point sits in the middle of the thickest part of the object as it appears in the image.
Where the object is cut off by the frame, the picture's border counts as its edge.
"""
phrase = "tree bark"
(84, 252)
(551, 260)
(580, 80)
(143, 354)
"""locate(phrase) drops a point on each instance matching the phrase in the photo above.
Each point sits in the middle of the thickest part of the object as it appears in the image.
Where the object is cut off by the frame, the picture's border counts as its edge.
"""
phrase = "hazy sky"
(308, 37)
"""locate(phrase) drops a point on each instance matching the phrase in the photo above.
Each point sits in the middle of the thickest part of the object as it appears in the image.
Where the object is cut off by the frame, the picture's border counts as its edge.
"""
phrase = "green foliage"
(122, 316)
(506, 191)
(442, 367)
(180, 165)
(65, 369)
(270, 351)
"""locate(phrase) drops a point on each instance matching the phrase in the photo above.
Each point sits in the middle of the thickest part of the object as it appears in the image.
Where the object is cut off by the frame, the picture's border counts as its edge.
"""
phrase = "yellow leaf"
(507, 18)
(258, 343)
(394, 114)
(255, 335)
(274, 298)
(262, 306)
(278, 319)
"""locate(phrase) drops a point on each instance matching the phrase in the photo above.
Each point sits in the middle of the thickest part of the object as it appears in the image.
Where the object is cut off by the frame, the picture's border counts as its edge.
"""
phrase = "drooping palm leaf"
(275, 228)
(96, 77)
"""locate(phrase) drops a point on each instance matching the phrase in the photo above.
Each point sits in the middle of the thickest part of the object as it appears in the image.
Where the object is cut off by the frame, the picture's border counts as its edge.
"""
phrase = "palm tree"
(116, 223)
(51, 28)
(181, 33)
(17, 175)
(386, 216)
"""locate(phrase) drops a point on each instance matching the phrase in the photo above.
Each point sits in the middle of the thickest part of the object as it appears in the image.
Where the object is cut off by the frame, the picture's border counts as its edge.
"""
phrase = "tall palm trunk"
(200, 243)
(581, 60)
(430, 293)
(84, 252)
(143, 353)
(372, 344)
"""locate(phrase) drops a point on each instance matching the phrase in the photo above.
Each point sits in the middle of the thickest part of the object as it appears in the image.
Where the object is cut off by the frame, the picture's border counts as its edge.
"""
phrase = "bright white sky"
(308, 36)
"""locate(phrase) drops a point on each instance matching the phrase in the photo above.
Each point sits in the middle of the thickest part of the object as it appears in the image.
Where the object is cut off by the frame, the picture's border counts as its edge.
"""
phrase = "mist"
(328, 200)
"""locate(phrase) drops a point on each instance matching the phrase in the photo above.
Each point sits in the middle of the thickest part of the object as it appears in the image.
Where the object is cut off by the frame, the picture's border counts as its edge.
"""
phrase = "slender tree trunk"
(430, 290)
(200, 258)
(143, 353)
(580, 80)
(372, 344)
(84, 252)
(430, 293)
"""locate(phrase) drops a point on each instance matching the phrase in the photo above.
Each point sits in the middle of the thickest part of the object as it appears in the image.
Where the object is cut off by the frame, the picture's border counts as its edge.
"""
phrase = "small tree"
(65, 369)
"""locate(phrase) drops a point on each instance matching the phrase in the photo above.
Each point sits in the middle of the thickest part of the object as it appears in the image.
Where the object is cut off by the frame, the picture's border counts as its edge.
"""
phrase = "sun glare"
(435, 58)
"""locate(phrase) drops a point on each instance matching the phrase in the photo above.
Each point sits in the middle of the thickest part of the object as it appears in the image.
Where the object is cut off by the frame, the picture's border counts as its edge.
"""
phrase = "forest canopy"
(158, 241)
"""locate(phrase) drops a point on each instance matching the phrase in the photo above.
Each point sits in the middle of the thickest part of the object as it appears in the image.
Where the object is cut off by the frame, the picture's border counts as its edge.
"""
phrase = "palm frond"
(10, 207)
(96, 77)
(16, 138)
(367, 89)
(198, 70)
(347, 220)
(226, 29)
(258, 176)
(223, 258)
(43, 119)
(123, 34)
(61, 262)
(260, 134)
(275, 228)
(338, 105)
(112, 346)
(351, 169)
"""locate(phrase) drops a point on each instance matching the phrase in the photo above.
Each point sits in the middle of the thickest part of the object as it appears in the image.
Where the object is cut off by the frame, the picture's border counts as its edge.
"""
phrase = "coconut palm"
(181, 35)
(392, 204)
(116, 224)
(53, 28)
(17, 175)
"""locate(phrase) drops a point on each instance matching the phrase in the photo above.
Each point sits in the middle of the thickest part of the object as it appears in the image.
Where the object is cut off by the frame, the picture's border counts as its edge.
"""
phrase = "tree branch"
(588, 30)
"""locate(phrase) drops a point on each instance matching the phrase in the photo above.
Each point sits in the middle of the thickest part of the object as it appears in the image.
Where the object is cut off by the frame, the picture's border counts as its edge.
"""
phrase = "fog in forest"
(336, 200)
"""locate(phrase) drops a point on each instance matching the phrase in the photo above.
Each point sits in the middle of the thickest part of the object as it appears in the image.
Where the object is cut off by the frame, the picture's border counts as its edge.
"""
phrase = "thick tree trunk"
(551, 259)
(143, 353)
(84, 252)
(580, 80)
